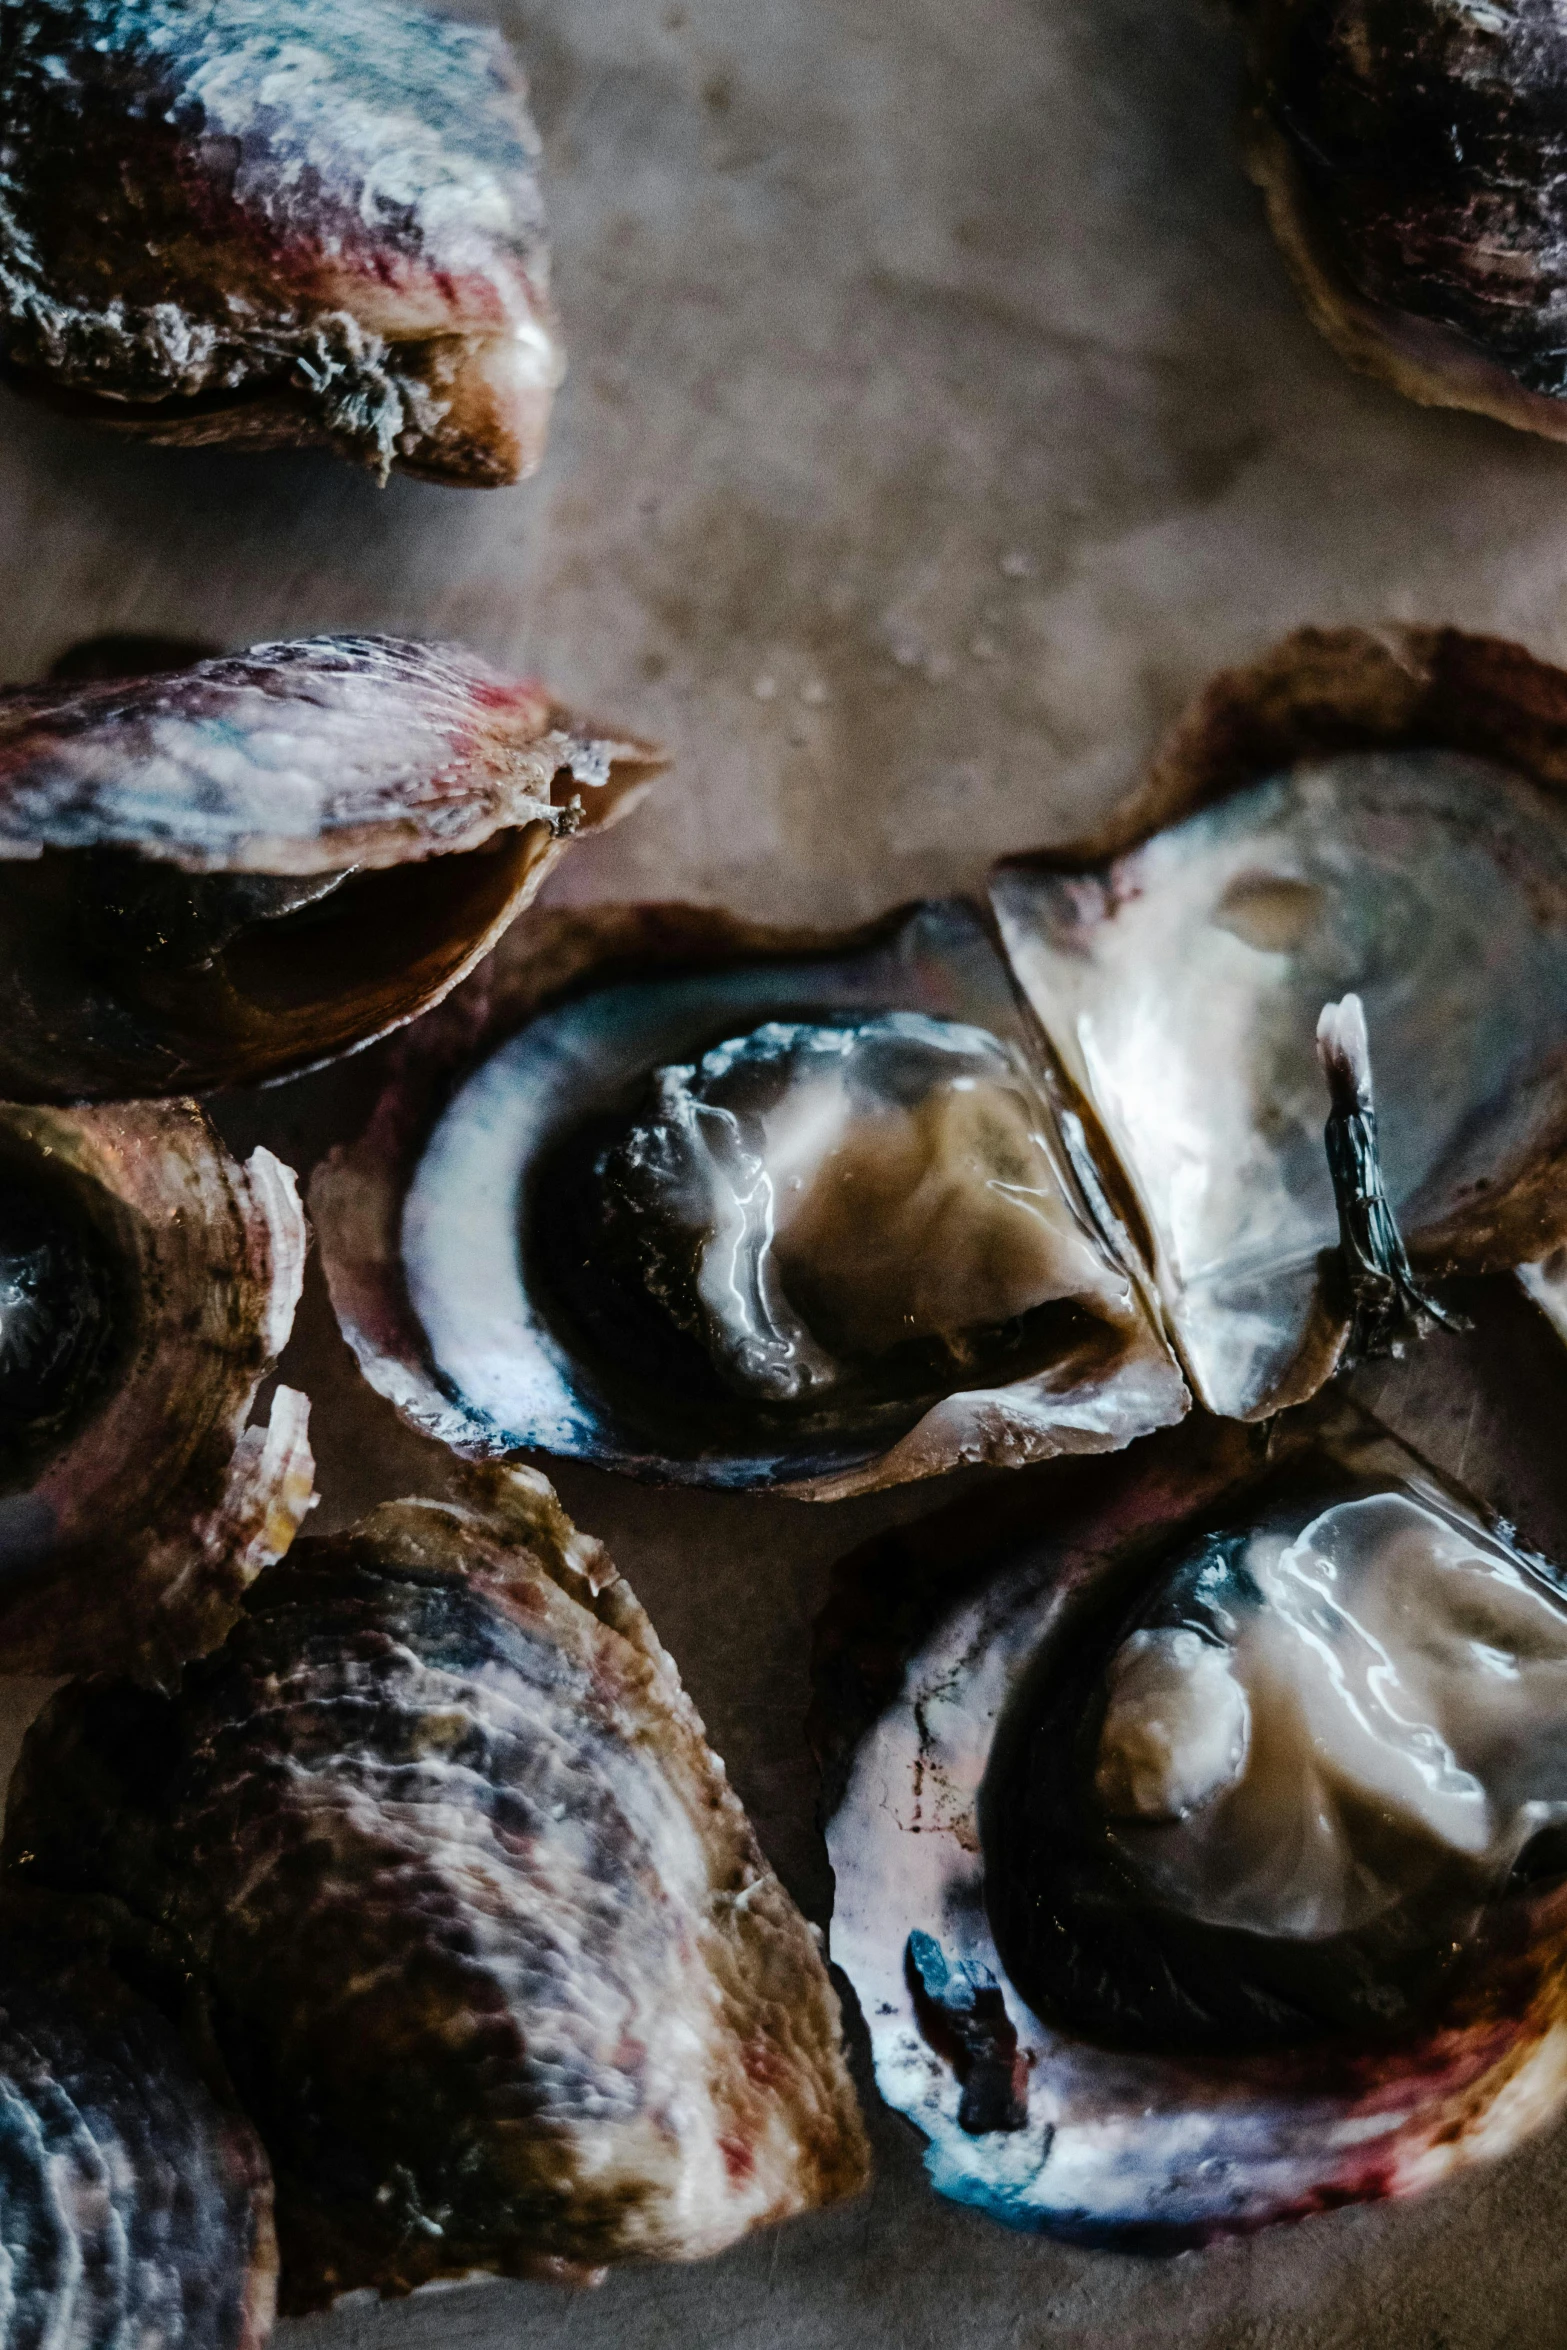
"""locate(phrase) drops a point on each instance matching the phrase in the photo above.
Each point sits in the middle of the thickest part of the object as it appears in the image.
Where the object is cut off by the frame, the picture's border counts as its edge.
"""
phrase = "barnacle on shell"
(147, 1285)
(492, 1954)
(138, 2203)
(224, 872)
(277, 222)
(713, 1204)
(1411, 155)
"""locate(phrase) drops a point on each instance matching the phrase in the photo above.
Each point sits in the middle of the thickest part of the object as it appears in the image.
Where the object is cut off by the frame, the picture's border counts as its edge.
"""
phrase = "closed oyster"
(147, 1285)
(492, 1954)
(734, 1207)
(1411, 156)
(729, 1206)
(137, 2205)
(274, 223)
(1198, 1832)
(224, 873)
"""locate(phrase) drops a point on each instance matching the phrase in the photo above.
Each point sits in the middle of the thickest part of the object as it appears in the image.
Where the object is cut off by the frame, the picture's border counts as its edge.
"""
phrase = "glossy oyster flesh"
(228, 872)
(773, 1212)
(277, 222)
(1411, 157)
(1198, 1836)
(492, 1953)
(138, 2203)
(147, 1285)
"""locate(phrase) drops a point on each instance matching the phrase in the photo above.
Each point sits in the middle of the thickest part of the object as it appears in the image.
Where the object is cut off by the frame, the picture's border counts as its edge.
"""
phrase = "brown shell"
(1115, 1383)
(278, 223)
(491, 1950)
(443, 790)
(129, 1545)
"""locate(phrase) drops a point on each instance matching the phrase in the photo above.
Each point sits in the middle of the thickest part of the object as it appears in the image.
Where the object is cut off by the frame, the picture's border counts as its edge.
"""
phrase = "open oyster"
(147, 1285)
(494, 1959)
(735, 1207)
(1411, 159)
(1198, 1831)
(137, 2205)
(276, 222)
(227, 872)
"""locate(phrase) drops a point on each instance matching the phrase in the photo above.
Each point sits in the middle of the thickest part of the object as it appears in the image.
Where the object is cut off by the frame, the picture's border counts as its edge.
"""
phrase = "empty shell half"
(719, 1205)
(224, 873)
(491, 1950)
(147, 1285)
(1199, 1831)
(275, 223)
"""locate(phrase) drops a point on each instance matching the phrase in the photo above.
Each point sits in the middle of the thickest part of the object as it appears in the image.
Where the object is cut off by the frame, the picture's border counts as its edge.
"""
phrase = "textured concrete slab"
(940, 417)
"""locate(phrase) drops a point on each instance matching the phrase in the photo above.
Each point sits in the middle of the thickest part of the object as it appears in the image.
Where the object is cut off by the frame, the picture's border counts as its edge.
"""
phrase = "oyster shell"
(138, 2204)
(1196, 1831)
(147, 1285)
(492, 1953)
(518, 1248)
(228, 872)
(719, 1205)
(275, 222)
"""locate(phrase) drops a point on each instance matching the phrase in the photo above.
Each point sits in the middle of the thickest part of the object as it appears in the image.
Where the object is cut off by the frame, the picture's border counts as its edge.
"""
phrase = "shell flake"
(274, 223)
(492, 1952)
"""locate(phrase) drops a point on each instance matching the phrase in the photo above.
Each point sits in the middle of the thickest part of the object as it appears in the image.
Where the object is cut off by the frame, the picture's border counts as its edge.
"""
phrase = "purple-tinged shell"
(930, 1661)
(147, 1286)
(1412, 158)
(227, 872)
(489, 1945)
(444, 1230)
(138, 2202)
(275, 223)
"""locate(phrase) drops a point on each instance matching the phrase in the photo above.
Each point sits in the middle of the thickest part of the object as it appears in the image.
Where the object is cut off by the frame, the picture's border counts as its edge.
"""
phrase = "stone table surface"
(939, 419)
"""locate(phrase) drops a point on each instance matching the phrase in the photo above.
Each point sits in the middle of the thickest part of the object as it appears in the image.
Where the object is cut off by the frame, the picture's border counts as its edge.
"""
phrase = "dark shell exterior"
(491, 1951)
(931, 1631)
(137, 2201)
(277, 222)
(653, 983)
(360, 819)
(129, 1533)
(1491, 1193)
(1412, 159)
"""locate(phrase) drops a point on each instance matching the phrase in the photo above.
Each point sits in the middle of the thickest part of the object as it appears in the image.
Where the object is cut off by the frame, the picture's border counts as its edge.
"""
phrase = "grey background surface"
(940, 417)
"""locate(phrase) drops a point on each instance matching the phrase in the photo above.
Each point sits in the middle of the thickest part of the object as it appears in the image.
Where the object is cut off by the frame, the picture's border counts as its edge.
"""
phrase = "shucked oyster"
(492, 1954)
(277, 222)
(777, 1212)
(225, 873)
(1198, 1834)
(1411, 156)
(137, 2205)
(732, 1207)
(147, 1286)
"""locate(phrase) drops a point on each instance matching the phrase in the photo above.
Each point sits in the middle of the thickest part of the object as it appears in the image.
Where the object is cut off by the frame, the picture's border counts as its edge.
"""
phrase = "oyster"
(1198, 1832)
(493, 1956)
(721, 1205)
(779, 1211)
(137, 2202)
(147, 1285)
(1411, 158)
(274, 223)
(227, 872)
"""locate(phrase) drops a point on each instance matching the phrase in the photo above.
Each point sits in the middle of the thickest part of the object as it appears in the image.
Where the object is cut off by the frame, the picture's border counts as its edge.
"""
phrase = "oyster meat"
(229, 871)
(147, 1286)
(1411, 156)
(137, 2202)
(1198, 1834)
(797, 1215)
(277, 222)
(720, 1205)
(492, 1953)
